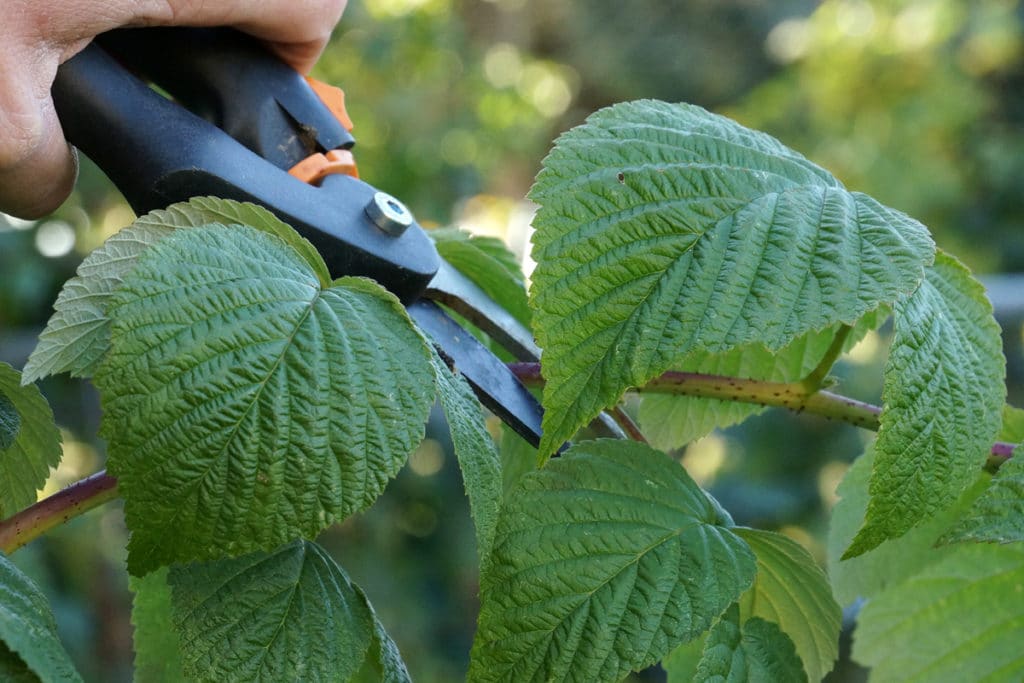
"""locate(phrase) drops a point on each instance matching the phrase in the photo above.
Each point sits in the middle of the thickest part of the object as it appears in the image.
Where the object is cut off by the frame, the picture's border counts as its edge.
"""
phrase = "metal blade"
(462, 295)
(492, 381)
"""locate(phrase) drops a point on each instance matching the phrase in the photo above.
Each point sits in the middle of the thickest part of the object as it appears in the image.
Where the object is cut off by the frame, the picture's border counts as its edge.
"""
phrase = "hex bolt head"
(388, 214)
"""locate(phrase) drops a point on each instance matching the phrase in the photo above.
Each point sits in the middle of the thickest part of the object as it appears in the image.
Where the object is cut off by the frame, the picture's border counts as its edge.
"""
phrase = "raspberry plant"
(250, 401)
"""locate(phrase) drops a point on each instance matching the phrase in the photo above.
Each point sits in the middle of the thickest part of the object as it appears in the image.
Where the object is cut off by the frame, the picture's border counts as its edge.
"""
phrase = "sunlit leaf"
(791, 592)
(961, 619)
(944, 394)
(997, 515)
(244, 404)
(157, 650)
(604, 561)
(29, 441)
(664, 229)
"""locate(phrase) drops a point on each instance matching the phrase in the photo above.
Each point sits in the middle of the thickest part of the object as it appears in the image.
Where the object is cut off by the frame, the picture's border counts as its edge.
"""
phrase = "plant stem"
(816, 379)
(37, 519)
(794, 396)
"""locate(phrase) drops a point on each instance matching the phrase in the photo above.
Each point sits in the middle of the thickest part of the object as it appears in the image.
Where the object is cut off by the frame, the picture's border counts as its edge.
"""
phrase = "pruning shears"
(243, 125)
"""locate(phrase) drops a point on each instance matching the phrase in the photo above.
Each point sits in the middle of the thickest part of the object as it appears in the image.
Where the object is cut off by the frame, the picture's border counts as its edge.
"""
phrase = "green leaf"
(754, 651)
(944, 393)
(681, 664)
(663, 229)
(1013, 425)
(793, 593)
(478, 458)
(29, 442)
(289, 615)
(961, 619)
(28, 628)
(997, 515)
(244, 404)
(78, 334)
(157, 650)
(490, 264)
(604, 561)
(13, 669)
(518, 458)
(670, 421)
(894, 560)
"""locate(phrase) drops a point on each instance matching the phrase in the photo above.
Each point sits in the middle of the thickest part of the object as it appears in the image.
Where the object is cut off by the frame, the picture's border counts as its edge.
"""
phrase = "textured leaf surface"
(489, 263)
(604, 561)
(791, 592)
(28, 628)
(894, 560)
(244, 404)
(663, 229)
(78, 334)
(157, 650)
(681, 664)
(671, 422)
(944, 393)
(961, 619)
(754, 650)
(478, 458)
(288, 615)
(997, 515)
(29, 442)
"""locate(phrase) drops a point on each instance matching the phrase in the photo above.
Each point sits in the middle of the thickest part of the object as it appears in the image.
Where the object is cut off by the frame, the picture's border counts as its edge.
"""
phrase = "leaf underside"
(663, 229)
(603, 562)
(245, 405)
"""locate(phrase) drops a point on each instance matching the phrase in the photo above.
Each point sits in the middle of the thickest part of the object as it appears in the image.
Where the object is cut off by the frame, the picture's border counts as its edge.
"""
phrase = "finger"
(37, 166)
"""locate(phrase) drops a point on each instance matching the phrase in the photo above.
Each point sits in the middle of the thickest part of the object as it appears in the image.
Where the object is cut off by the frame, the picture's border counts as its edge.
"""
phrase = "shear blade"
(491, 380)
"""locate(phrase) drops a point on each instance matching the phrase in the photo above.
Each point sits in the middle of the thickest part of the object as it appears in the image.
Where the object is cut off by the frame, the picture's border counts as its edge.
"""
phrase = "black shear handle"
(157, 152)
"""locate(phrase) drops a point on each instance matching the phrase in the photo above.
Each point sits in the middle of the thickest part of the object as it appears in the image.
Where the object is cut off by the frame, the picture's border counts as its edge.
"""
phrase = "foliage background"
(919, 103)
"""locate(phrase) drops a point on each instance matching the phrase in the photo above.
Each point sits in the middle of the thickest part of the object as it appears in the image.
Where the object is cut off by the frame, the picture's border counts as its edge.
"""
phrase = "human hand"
(37, 166)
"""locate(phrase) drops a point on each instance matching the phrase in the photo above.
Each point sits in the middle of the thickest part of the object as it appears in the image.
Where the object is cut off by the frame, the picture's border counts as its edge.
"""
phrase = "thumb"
(37, 166)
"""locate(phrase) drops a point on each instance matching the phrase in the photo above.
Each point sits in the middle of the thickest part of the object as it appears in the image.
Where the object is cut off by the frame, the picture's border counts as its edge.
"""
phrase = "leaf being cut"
(489, 263)
(246, 405)
(961, 619)
(791, 592)
(748, 651)
(28, 629)
(997, 515)
(664, 229)
(604, 561)
(478, 458)
(29, 442)
(78, 333)
(944, 393)
(288, 615)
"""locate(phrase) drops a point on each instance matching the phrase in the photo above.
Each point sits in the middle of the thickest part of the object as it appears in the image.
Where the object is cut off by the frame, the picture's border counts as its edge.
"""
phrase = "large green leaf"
(28, 629)
(29, 442)
(751, 651)
(791, 592)
(489, 263)
(997, 515)
(961, 619)
(288, 615)
(245, 404)
(944, 394)
(478, 458)
(78, 333)
(157, 650)
(894, 560)
(670, 421)
(663, 229)
(604, 561)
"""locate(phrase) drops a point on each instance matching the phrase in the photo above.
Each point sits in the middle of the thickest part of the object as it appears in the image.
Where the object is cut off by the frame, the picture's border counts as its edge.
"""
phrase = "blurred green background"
(455, 102)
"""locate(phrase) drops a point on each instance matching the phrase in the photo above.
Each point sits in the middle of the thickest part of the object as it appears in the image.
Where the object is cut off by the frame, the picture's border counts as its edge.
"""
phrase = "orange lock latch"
(316, 167)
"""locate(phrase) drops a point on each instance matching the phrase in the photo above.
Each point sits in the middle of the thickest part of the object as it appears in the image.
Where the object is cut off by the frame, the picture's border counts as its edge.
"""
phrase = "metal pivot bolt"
(388, 214)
